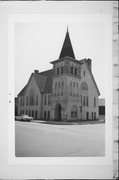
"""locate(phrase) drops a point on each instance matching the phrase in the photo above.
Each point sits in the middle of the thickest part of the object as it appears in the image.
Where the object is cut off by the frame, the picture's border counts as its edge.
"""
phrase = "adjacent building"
(68, 91)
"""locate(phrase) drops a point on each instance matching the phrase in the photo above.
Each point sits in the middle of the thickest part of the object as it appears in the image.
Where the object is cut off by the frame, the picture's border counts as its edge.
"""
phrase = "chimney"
(36, 71)
(89, 64)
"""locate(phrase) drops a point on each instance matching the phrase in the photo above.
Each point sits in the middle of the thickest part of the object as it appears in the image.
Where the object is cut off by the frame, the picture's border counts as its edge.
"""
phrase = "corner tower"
(66, 76)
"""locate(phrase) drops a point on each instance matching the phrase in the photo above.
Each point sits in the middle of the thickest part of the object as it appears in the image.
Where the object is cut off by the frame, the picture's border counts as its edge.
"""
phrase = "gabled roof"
(84, 61)
(67, 49)
(43, 80)
(22, 92)
(49, 80)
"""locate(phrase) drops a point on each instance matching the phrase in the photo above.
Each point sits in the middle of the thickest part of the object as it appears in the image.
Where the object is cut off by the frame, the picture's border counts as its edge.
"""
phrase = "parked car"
(23, 117)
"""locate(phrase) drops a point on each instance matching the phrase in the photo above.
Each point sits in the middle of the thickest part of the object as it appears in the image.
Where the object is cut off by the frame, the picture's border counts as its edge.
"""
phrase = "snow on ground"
(52, 140)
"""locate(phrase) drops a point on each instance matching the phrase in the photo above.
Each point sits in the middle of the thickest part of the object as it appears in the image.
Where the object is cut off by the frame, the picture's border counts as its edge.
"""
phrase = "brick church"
(68, 91)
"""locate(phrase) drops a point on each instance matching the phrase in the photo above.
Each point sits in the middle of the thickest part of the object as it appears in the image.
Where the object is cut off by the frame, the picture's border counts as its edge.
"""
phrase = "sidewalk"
(79, 122)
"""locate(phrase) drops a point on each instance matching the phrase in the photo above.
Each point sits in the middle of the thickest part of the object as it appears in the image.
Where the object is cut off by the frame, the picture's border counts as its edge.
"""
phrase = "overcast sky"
(37, 44)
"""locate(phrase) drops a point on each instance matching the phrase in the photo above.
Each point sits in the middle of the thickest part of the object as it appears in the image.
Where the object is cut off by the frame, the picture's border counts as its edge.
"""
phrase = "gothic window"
(36, 99)
(29, 113)
(32, 97)
(36, 113)
(44, 114)
(48, 114)
(84, 86)
(94, 101)
(74, 111)
(84, 100)
(81, 99)
(45, 99)
(92, 115)
(27, 101)
(72, 68)
(75, 71)
(48, 99)
(87, 101)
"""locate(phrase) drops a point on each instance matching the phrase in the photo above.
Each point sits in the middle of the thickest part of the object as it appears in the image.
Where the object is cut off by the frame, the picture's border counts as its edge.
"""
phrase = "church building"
(68, 91)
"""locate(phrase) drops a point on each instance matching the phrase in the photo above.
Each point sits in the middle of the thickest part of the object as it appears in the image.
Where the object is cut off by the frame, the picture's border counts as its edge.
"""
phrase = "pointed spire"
(67, 49)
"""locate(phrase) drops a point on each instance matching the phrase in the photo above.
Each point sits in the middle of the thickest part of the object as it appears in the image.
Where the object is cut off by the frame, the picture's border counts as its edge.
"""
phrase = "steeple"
(67, 49)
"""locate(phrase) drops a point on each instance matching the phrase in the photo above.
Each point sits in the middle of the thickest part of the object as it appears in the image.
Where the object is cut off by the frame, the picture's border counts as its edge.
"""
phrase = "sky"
(39, 43)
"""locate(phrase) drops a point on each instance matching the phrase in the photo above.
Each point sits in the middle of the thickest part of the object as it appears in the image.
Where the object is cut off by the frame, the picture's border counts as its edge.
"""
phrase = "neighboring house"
(68, 91)
(102, 107)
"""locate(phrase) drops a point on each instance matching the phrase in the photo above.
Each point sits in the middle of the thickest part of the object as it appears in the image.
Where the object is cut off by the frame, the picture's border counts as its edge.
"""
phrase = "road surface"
(33, 139)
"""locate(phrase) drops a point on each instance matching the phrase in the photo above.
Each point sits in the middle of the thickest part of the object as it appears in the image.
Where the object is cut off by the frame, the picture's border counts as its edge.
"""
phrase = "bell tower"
(65, 69)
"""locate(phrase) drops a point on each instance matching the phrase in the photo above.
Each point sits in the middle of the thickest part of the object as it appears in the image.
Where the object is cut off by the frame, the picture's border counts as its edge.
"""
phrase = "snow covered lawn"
(49, 140)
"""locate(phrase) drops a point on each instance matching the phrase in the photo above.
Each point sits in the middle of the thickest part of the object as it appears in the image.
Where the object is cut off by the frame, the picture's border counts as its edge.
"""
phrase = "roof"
(43, 80)
(67, 49)
(84, 61)
(40, 80)
(49, 80)
(66, 58)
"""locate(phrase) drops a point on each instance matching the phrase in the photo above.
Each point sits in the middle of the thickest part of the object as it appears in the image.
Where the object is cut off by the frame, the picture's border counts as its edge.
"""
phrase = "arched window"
(87, 101)
(72, 69)
(84, 100)
(32, 97)
(27, 101)
(45, 99)
(94, 101)
(74, 111)
(75, 71)
(61, 69)
(84, 86)
(36, 99)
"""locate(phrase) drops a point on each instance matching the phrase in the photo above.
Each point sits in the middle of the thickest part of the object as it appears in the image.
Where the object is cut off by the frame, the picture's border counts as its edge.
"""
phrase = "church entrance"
(58, 112)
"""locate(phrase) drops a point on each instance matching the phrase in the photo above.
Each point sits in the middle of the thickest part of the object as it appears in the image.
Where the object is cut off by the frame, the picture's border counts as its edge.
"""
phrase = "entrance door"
(87, 114)
(58, 112)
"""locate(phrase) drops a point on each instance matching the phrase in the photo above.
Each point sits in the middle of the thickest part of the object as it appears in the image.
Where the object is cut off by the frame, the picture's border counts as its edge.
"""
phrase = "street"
(39, 139)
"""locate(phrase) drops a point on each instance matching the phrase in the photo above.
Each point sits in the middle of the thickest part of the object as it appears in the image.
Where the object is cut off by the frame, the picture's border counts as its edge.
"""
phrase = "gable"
(91, 75)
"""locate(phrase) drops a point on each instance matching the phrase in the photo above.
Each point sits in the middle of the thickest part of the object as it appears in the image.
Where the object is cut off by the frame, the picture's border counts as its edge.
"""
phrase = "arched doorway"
(58, 112)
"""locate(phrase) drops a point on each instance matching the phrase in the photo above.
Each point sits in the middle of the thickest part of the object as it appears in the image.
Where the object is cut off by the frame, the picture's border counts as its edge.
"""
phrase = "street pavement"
(42, 139)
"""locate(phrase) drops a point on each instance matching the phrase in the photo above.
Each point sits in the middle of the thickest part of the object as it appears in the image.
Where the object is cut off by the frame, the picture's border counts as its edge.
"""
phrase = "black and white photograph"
(59, 88)
(58, 99)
